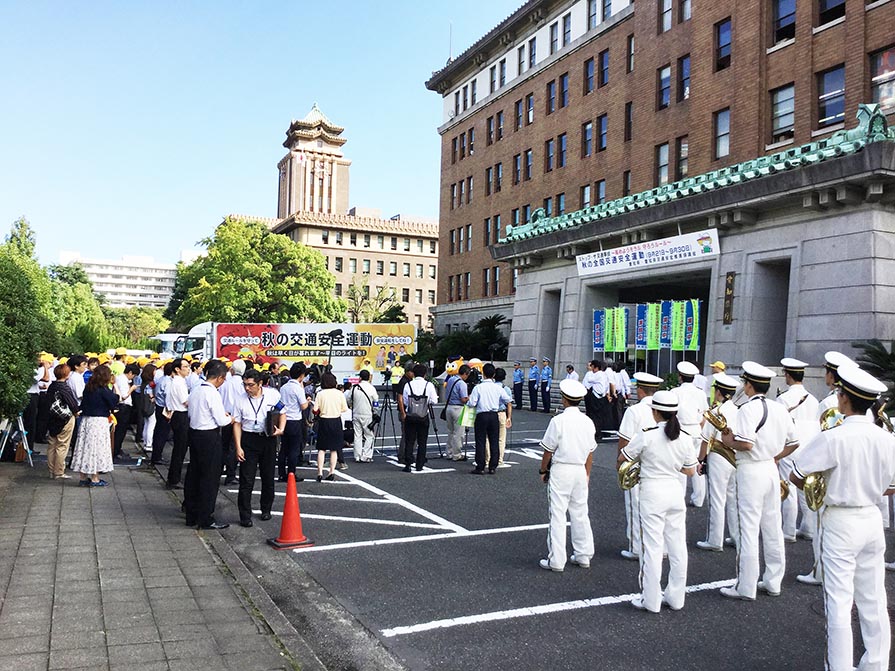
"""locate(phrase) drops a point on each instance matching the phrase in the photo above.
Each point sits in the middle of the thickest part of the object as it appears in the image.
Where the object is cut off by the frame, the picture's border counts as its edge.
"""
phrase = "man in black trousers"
(203, 474)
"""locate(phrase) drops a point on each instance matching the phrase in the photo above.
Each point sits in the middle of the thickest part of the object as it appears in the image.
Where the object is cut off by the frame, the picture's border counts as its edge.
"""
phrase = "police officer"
(720, 462)
(634, 421)
(569, 446)
(858, 461)
(546, 381)
(691, 405)
(763, 434)
(665, 453)
(534, 380)
(518, 380)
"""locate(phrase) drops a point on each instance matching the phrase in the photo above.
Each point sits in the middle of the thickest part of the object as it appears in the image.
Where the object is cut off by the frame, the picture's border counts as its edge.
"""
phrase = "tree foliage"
(135, 326)
(393, 314)
(368, 307)
(71, 275)
(877, 360)
(252, 275)
(485, 341)
(21, 238)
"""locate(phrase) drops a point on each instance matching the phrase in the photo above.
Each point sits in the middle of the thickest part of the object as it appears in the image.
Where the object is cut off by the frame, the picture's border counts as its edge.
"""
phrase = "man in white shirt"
(571, 373)
(203, 475)
(295, 434)
(418, 397)
(231, 391)
(456, 396)
(361, 398)
(692, 403)
(485, 398)
(596, 403)
(124, 387)
(40, 384)
(176, 401)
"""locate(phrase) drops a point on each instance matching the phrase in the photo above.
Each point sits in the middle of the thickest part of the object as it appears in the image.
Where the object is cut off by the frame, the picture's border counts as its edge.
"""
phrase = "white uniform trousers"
(363, 437)
(758, 509)
(808, 523)
(632, 519)
(148, 428)
(454, 431)
(567, 493)
(663, 516)
(789, 509)
(722, 491)
(852, 548)
(697, 482)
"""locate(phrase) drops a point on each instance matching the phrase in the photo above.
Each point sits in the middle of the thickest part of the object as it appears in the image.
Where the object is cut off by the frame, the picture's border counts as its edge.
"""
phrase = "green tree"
(877, 360)
(72, 274)
(252, 275)
(21, 238)
(133, 327)
(372, 308)
(394, 314)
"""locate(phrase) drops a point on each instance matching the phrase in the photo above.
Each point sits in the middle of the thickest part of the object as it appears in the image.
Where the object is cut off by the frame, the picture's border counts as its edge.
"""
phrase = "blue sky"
(133, 127)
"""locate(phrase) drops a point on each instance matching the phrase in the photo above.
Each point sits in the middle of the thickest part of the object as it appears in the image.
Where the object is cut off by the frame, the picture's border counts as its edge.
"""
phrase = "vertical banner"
(665, 326)
(609, 330)
(653, 320)
(677, 325)
(691, 332)
(621, 330)
(599, 329)
(640, 326)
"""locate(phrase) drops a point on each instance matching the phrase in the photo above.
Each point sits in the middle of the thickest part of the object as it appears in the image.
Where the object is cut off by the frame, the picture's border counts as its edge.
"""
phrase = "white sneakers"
(731, 593)
(545, 564)
(890, 566)
(582, 563)
(762, 585)
(705, 545)
(789, 539)
(808, 579)
(627, 554)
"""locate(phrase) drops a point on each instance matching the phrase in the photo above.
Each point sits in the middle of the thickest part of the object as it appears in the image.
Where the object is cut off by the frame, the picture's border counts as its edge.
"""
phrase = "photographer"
(360, 399)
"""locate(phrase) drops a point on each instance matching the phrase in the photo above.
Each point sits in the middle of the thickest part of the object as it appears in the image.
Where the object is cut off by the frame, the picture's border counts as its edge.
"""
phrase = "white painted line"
(416, 539)
(426, 469)
(401, 502)
(531, 611)
(323, 496)
(527, 452)
(339, 518)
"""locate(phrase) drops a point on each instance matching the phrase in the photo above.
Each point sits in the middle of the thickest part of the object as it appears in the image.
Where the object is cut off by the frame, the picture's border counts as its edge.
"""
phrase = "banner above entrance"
(687, 247)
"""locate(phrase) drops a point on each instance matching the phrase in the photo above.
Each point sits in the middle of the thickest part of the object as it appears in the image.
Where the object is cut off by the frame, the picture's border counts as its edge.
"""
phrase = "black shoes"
(330, 477)
(477, 471)
(492, 471)
(176, 485)
(406, 469)
(265, 516)
(319, 478)
(245, 523)
(215, 525)
(230, 481)
(282, 478)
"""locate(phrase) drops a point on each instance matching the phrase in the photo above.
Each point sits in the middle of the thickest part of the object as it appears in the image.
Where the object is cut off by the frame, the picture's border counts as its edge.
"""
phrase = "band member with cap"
(518, 382)
(691, 405)
(720, 463)
(638, 418)
(569, 446)
(546, 382)
(857, 459)
(802, 407)
(534, 380)
(832, 362)
(665, 452)
(763, 434)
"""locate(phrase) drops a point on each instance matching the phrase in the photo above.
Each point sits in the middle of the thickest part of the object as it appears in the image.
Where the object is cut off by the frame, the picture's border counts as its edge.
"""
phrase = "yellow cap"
(719, 365)
(103, 358)
(155, 355)
(63, 359)
(46, 357)
(120, 350)
(142, 361)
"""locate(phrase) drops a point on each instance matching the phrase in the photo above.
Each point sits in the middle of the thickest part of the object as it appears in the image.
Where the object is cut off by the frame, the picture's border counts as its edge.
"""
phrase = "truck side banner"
(382, 344)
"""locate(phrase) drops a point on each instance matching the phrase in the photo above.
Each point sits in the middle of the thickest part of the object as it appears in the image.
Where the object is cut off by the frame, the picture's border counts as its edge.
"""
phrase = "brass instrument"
(884, 418)
(784, 489)
(629, 474)
(815, 489)
(827, 419)
(714, 417)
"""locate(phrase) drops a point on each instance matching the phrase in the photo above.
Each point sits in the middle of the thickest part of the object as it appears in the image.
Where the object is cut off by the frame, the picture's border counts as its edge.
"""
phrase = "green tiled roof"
(872, 127)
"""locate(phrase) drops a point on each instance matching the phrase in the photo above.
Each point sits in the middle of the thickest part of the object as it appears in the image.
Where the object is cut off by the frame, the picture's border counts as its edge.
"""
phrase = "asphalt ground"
(441, 568)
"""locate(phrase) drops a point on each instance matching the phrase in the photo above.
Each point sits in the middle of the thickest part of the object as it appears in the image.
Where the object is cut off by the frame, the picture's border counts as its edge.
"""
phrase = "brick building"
(569, 104)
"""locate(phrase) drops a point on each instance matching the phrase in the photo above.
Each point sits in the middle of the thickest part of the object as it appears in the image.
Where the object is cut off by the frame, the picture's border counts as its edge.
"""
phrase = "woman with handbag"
(61, 422)
(93, 449)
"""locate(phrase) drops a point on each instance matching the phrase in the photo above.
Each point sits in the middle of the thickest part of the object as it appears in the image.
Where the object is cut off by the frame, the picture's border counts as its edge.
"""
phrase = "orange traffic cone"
(291, 535)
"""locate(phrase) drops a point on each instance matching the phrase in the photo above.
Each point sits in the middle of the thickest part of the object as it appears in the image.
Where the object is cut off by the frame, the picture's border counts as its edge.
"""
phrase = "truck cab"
(198, 343)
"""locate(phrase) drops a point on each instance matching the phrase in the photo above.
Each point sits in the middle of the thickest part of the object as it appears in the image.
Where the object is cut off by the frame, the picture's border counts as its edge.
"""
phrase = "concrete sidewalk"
(110, 578)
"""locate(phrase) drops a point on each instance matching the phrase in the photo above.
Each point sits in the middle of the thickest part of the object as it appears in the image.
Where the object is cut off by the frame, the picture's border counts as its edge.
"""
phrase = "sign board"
(680, 248)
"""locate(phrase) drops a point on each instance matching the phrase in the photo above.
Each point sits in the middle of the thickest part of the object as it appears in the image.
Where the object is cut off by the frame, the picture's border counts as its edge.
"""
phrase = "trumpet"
(827, 419)
(629, 474)
(815, 489)
(714, 417)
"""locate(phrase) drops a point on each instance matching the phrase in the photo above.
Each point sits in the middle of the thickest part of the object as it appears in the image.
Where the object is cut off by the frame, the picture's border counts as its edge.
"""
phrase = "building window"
(564, 90)
(626, 183)
(419, 271)
(592, 19)
(683, 78)
(419, 296)
(561, 146)
(431, 272)
(456, 103)
(602, 131)
(515, 216)
(337, 265)
(784, 20)
(662, 164)
(685, 11)
(499, 123)
(517, 168)
(472, 92)
(588, 75)
(495, 279)
(496, 235)
(584, 196)
(492, 78)
(486, 281)
(468, 277)
(465, 97)
(419, 246)
(366, 266)
(406, 269)
(489, 178)
(529, 161)
(462, 188)
(431, 246)
(451, 288)
(532, 52)
(498, 177)
(603, 77)
(380, 241)
(665, 9)
(549, 147)
(783, 113)
(831, 97)
(607, 9)
(520, 54)
(487, 232)
(830, 10)
(629, 64)
(338, 237)
(530, 108)
(554, 37)
(405, 295)
(601, 192)
(882, 79)
(722, 45)
(722, 133)
(380, 267)
(468, 237)
(566, 29)
(324, 236)
(587, 138)
(471, 135)
(683, 155)
(453, 196)
(392, 266)
(394, 243)
(502, 72)
(663, 100)
(489, 130)
(526, 213)
(431, 296)
(629, 121)
(515, 279)
(548, 206)
(560, 203)
(462, 146)
(352, 266)
(366, 240)
(551, 96)
(519, 117)
(468, 196)
(454, 150)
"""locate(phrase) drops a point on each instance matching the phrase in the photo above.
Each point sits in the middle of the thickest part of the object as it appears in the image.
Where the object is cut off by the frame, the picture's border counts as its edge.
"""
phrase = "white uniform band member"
(635, 420)
(692, 403)
(802, 407)
(720, 462)
(857, 459)
(665, 452)
(763, 434)
(569, 446)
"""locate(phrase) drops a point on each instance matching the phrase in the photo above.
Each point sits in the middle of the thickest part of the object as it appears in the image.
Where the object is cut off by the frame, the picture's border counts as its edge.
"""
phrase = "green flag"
(609, 332)
(621, 329)
(677, 325)
(653, 314)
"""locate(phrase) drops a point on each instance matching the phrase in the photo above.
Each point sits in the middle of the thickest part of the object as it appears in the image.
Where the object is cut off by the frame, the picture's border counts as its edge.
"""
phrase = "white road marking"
(527, 452)
(365, 520)
(416, 539)
(531, 611)
(426, 469)
(359, 499)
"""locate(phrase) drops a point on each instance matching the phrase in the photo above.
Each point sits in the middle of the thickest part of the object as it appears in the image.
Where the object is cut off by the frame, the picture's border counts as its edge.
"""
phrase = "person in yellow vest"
(368, 367)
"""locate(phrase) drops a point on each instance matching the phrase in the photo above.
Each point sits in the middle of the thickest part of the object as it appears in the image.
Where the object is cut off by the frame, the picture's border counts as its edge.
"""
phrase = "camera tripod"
(7, 429)
(387, 417)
